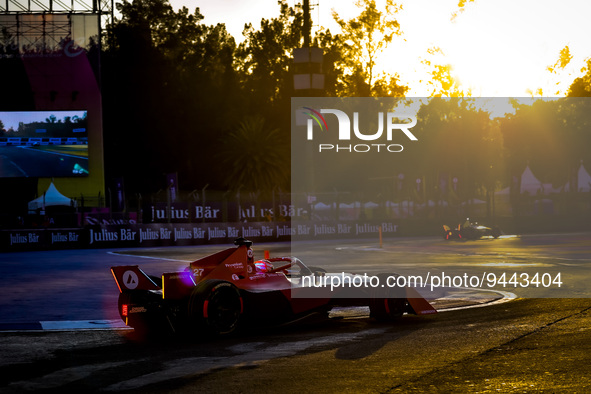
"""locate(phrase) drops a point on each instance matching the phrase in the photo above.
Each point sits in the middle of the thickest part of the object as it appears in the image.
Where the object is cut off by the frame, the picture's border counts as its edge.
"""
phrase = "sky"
(497, 48)
(12, 119)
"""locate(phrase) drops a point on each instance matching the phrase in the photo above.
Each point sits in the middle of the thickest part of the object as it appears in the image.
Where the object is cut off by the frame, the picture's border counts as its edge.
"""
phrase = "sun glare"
(495, 49)
(500, 48)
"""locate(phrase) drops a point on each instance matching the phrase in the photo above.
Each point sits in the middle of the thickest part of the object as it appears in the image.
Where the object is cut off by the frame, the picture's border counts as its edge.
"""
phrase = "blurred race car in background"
(223, 292)
(470, 230)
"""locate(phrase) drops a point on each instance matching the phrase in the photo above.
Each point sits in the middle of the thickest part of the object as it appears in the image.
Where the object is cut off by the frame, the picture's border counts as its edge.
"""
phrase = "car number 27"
(198, 272)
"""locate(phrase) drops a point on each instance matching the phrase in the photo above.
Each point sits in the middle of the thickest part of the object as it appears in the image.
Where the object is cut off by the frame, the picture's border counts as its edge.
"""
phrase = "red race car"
(220, 293)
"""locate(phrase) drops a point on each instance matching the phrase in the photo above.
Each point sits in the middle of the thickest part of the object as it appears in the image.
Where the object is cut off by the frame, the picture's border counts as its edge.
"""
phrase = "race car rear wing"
(418, 304)
(131, 277)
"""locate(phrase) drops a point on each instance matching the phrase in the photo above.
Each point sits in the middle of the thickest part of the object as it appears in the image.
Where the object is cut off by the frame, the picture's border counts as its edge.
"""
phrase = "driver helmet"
(263, 266)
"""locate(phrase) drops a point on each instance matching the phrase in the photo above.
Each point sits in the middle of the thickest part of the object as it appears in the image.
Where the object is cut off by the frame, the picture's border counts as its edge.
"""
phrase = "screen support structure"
(55, 46)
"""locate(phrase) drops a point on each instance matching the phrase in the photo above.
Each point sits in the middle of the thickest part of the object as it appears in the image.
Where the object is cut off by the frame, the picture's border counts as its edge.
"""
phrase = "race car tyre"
(216, 306)
(387, 303)
(317, 271)
(496, 232)
(470, 234)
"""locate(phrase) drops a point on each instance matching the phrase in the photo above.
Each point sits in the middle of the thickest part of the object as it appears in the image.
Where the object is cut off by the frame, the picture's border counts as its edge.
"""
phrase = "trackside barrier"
(36, 141)
(170, 234)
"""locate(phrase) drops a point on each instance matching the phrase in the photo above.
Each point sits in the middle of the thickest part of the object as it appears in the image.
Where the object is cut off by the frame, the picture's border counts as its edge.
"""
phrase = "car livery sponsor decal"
(263, 275)
(130, 280)
(235, 266)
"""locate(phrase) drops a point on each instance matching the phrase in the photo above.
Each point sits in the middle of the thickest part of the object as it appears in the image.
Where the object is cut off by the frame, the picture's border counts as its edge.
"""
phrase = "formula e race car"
(470, 230)
(220, 293)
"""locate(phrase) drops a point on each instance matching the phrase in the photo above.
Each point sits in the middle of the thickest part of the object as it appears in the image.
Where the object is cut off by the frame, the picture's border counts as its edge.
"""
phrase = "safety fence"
(34, 141)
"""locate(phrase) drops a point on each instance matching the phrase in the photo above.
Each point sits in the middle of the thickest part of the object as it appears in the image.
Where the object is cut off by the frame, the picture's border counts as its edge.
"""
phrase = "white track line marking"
(70, 325)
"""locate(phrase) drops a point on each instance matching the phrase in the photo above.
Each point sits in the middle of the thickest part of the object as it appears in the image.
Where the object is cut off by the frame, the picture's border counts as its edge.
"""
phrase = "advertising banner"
(172, 234)
(26, 240)
(220, 211)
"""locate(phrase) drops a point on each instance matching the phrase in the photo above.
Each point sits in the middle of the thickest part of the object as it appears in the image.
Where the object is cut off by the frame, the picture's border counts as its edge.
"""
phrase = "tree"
(581, 86)
(265, 57)
(363, 40)
(332, 64)
(540, 135)
(442, 81)
(558, 72)
(458, 139)
(461, 8)
(168, 81)
(255, 156)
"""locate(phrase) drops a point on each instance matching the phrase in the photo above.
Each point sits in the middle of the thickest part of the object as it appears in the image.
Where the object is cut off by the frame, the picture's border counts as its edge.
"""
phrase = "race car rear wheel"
(387, 303)
(141, 310)
(216, 307)
(387, 309)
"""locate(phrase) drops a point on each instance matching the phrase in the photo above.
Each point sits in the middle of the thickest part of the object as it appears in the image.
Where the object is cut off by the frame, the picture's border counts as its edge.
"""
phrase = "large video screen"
(43, 144)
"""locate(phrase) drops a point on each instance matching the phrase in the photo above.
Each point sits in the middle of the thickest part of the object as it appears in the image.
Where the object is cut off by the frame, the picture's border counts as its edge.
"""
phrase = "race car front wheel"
(215, 306)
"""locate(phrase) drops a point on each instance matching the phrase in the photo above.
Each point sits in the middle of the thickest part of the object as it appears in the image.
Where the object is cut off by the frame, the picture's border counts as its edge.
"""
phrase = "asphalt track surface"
(34, 162)
(524, 345)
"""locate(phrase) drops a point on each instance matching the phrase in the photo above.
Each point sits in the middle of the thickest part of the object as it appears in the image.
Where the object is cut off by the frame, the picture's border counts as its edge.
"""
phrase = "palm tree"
(255, 157)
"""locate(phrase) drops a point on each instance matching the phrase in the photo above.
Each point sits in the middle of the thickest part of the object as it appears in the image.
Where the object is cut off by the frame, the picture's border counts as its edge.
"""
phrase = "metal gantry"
(57, 6)
(43, 25)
